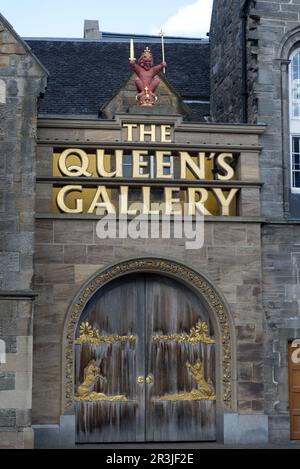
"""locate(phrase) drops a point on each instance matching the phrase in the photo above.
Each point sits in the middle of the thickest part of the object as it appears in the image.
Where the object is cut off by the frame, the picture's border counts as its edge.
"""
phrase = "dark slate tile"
(85, 75)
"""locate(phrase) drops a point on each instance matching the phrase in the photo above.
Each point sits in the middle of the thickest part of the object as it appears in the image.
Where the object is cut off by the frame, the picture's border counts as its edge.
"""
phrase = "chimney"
(91, 29)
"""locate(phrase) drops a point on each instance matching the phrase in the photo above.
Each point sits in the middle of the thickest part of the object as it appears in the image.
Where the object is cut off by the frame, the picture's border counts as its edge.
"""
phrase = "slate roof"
(85, 74)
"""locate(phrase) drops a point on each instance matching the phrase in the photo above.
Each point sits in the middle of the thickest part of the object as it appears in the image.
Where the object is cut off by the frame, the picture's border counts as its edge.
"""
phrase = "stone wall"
(269, 26)
(68, 253)
(273, 30)
(274, 21)
(281, 301)
(226, 61)
(22, 79)
(277, 22)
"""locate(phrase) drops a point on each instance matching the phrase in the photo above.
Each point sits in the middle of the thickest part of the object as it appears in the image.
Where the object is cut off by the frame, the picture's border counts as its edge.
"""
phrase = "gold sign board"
(132, 180)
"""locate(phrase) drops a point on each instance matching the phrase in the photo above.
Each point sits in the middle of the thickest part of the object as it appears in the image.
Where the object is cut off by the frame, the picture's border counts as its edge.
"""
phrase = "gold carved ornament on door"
(92, 336)
(205, 389)
(198, 334)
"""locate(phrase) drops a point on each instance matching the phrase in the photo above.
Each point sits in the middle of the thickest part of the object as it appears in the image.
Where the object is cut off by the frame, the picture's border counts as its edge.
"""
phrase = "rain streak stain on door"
(145, 364)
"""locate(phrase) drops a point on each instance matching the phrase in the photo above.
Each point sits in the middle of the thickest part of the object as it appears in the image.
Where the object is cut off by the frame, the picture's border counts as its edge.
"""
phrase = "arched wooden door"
(145, 364)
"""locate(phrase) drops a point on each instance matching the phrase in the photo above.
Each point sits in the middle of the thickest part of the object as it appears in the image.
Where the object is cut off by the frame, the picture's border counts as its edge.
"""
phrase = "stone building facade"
(271, 36)
(22, 81)
(54, 269)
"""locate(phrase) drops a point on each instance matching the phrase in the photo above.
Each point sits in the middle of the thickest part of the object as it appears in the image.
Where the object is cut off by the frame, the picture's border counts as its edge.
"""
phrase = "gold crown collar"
(147, 51)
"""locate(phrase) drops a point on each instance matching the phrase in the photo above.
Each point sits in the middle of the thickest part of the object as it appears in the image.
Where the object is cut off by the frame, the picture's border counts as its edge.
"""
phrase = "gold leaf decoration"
(98, 396)
(204, 391)
(197, 334)
(91, 376)
(90, 335)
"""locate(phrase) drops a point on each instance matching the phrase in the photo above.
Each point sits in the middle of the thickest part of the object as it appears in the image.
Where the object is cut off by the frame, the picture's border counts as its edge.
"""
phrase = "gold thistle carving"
(205, 389)
(197, 334)
(173, 269)
(98, 396)
(89, 335)
(91, 376)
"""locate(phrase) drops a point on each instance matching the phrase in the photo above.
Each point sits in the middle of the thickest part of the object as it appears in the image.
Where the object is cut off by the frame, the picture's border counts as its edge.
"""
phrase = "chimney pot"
(91, 29)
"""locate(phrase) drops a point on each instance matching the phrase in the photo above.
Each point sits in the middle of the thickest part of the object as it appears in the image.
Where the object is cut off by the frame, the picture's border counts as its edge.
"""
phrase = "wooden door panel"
(174, 409)
(294, 392)
(181, 421)
(116, 313)
(295, 401)
(153, 380)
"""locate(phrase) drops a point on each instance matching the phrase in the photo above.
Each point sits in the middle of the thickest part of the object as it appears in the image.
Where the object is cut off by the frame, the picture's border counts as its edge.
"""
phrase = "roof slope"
(5, 24)
(84, 75)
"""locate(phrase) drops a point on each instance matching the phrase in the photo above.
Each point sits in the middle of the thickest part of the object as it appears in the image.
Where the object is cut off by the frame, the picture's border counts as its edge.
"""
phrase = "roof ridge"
(122, 37)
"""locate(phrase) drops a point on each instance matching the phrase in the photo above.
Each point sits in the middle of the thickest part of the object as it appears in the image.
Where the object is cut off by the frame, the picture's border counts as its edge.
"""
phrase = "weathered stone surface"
(228, 266)
(265, 99)
(245, 429)
(7, 382)
(257, 272)
(250, 391)
(272, 30)
(66, 233)
(7, 418)
(21, 82)
(169, 102)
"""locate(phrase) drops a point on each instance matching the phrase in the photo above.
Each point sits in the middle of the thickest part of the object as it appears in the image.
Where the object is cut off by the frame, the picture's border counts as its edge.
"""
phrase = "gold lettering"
(61, 196)
(192, 204)
(169, 201)
(124, 202)
(224, 201)
(150, 132)
(147, 202)
(161, 165)
(139, 164)
(105, 205)
(186, 161)
(74, 171)
(119, 164)
(130, 128)
(229, 171)
(165, 133)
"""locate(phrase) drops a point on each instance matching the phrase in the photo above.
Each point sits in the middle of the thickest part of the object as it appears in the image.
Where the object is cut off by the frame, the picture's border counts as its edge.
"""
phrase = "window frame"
(294, 122)
(295, 190)
(292, 56)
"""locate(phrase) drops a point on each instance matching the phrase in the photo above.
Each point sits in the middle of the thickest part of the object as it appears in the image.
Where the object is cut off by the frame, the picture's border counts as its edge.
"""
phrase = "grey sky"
(64, 18)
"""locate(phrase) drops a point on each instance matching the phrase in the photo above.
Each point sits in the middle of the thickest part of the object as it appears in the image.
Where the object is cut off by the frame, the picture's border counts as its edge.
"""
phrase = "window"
(127, 166)
(295, 85)
(150, 168)
(295, 120)
(296, 163)
(167, 170)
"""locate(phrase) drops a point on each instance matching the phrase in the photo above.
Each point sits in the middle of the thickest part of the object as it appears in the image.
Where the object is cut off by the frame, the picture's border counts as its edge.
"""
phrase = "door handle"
(142, 380)
(149, 379)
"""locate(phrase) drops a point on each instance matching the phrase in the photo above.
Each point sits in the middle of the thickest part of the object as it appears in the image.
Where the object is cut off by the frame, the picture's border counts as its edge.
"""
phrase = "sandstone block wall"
(22, 79)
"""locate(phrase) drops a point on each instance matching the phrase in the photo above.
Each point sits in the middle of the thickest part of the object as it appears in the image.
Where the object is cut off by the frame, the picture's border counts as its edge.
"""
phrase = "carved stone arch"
(288, 43)
(219, 313)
